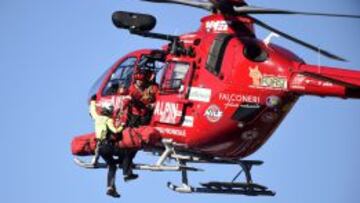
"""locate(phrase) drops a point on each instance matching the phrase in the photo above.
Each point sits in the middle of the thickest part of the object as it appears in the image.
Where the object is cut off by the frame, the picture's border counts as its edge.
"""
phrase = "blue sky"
(52, 51)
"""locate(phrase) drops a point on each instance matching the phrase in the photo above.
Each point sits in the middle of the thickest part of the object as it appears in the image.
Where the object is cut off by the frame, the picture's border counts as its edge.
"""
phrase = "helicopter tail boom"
(326, 81)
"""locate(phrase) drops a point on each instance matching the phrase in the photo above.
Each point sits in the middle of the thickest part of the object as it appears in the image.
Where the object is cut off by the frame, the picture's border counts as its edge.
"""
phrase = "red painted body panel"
(231, 89)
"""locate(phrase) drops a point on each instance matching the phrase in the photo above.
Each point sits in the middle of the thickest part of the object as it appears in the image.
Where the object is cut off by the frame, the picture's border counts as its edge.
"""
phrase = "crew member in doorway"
(143, 96)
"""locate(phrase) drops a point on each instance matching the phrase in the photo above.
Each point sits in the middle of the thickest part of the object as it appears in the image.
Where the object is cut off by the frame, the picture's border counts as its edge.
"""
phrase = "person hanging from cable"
(106, 135)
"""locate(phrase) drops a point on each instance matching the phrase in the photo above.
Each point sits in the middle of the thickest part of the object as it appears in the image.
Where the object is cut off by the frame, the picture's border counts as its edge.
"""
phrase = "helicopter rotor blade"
(298, 41)
(197, 4)
(259, 10)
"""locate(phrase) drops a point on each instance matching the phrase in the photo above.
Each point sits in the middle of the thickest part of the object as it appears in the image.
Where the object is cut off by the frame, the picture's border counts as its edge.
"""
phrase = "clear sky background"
(52, 51)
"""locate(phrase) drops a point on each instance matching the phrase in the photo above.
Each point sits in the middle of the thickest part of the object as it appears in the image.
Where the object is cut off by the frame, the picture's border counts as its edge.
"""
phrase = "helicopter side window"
(120, 77)
(159, 70)
(96, 86)
(174, 76)
(216, 53)
(154, 65)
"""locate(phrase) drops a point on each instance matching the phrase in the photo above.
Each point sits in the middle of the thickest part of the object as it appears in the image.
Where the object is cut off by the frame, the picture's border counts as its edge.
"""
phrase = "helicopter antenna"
(267, 40)
(297, 41)
(319, 61)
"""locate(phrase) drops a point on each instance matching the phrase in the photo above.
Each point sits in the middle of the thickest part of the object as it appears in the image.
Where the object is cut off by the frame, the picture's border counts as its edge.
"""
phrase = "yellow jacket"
(102, 123)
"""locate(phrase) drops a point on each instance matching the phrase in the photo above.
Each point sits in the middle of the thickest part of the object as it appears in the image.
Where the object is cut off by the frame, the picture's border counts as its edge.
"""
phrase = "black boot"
(112, 192)
(130, 177)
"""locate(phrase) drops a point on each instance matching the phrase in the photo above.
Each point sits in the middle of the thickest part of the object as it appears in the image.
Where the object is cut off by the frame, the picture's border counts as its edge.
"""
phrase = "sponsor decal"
(269, 117)
(327, 84)
(200, 94)
(274, 82)
(298, 81)
(234, 100)
(250, 134)
(250, 106)
(260, 80)
(171, 131)
(216, 26)
(273, 101)
(321, 83)
(106, 105)
(168, 112)
(188, 121)
(115, 102)
(255, 75)
(213, 113)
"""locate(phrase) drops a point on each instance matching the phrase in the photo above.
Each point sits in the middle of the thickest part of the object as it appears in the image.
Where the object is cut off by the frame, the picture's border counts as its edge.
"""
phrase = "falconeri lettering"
(234, 100)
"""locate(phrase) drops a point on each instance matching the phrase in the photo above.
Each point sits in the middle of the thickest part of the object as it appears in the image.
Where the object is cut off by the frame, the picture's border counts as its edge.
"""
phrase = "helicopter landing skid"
(224, 188)
(146, 167)
(247, 188)
(158, 166)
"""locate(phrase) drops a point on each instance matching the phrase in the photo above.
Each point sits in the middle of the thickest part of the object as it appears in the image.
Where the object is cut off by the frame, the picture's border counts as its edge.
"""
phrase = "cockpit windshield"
(96, 86)
(121, 77)
(155, 65)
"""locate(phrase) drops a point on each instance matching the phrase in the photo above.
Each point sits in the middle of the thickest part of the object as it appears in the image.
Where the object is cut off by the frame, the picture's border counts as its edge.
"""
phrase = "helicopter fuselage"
(228, 97)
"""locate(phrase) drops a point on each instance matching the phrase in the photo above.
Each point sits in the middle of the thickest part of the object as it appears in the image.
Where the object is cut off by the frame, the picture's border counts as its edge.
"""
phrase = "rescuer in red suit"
(143, 95)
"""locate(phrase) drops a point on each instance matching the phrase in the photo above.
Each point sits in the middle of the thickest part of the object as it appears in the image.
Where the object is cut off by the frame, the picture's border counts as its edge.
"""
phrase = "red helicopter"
(223, 91)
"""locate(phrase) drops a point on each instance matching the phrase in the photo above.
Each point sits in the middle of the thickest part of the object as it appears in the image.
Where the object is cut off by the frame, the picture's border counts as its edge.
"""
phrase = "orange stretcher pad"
(133, 138)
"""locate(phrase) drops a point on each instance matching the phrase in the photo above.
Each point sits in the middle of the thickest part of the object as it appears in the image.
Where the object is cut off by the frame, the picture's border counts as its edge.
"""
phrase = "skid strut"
(237, 188)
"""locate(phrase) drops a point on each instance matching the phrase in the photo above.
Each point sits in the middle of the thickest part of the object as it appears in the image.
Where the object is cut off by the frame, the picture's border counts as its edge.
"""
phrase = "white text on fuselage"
(167, 112)
(216, 26)
(171, 131)
(234, 100)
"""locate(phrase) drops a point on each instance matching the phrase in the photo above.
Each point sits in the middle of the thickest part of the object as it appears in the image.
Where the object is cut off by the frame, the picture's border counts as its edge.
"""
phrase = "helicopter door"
(170, 105)
(120, 77)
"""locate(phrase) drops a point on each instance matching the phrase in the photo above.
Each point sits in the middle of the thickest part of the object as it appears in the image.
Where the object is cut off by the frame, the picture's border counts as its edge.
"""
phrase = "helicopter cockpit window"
(152, 64)
(120, 77)
(96, 86)
(216, 53)
(174, 76)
